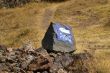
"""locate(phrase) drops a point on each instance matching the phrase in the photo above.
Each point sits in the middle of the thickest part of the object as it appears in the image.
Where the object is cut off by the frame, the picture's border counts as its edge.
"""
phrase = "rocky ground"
(30, 60)
(15, 3)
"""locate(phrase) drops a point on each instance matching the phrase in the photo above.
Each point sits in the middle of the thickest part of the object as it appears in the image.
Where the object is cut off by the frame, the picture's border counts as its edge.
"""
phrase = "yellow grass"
(90, 22)
(89, 19)
(19, 25)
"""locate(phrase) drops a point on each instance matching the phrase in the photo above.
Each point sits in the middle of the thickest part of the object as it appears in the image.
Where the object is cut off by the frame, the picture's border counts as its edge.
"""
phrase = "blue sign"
(63, 33)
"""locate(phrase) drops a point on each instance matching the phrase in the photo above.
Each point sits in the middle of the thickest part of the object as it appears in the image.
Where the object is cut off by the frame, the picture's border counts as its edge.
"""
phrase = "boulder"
(59, 38)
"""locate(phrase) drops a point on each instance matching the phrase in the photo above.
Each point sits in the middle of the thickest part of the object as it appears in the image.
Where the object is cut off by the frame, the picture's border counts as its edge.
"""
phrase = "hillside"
(90, 20)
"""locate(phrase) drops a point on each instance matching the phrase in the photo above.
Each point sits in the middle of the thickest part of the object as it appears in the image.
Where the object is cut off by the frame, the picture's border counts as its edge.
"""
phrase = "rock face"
(59, 38)
(23, 60)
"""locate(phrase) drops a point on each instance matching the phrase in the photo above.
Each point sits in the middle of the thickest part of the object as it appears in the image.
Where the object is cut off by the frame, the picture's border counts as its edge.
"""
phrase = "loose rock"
(39, 60)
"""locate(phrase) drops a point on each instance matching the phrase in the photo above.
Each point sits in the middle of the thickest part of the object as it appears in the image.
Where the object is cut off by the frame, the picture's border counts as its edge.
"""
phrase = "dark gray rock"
(59, 38)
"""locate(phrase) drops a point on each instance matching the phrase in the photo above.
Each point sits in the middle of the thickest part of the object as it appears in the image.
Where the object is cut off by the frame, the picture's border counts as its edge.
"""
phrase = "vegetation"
(90, 20)
(15, 3)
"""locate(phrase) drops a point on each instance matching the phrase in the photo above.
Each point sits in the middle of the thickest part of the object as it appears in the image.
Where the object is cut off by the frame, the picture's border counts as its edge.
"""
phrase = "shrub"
(14, 3)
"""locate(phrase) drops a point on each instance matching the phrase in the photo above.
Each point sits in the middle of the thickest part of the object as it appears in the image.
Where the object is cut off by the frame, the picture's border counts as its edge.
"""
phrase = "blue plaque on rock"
(63, 33)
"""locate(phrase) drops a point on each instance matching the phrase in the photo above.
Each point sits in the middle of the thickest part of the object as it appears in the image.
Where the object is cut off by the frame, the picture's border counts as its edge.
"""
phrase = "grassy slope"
(20, 25)
(89, 18)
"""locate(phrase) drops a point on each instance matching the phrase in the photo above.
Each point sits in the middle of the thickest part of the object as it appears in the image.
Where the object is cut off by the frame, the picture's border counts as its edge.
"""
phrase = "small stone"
(29, 71)
(45, 72)
(3, 48)
(61, 71)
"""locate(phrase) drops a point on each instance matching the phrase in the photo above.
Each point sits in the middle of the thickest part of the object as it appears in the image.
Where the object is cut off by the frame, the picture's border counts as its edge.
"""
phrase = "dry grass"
(90, 22)
(103, 61)
(89, 19)
(19, 25)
